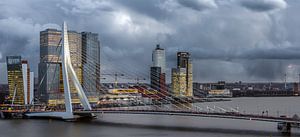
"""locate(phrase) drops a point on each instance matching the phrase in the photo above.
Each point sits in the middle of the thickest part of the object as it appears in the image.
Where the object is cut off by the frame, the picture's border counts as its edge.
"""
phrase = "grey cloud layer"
(198, 4)
(229, 39)
(263, 5)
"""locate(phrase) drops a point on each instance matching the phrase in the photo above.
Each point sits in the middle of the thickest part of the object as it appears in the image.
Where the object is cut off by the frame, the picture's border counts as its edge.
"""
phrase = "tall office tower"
(179, 82)
(50, 69)
(159, 58)
(157, 71)
(75, 43)
(155, 77)
(50, 74)
(184, 68)
(15, 79)
(85, 59)
(91, 62)
(19, 80)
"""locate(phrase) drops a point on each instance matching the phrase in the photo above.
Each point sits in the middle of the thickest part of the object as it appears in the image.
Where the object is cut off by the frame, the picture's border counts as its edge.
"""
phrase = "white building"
(159, 58)
(28, 83)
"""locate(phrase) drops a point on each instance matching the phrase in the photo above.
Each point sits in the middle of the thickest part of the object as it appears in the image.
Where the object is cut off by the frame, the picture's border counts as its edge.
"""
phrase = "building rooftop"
(158, 47)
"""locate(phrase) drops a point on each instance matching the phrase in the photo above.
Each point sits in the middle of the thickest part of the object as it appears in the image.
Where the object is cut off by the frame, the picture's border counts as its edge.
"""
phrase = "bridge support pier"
(284, 127)
(86, 115)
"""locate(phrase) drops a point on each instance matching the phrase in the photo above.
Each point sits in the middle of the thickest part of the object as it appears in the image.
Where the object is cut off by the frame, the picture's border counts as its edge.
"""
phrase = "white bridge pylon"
(68, 72)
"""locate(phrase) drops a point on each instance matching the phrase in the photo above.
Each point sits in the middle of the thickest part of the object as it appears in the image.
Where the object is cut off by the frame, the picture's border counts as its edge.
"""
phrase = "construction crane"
(116, 75)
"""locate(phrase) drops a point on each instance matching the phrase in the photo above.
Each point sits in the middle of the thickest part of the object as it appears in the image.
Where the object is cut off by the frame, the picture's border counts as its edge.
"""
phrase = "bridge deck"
(228, 115)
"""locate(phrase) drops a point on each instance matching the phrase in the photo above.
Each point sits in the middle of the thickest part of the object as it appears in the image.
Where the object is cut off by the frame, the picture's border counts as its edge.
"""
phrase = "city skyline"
(220, 36)
(171, 68)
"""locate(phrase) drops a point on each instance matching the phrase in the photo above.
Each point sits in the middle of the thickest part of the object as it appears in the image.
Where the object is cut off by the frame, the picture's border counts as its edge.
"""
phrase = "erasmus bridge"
(178, 107)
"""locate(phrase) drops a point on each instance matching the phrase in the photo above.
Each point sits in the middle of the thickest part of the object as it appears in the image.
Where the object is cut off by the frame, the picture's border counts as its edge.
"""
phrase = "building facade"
(20, 81)
(50, 69)
(3, 93)
(91, 62)
(75, 45)
(82, 46)
(157, 71)
(15, 79)
(182, 76)
(28, 82)
(159, 58)
(49, 76)
(179, 81)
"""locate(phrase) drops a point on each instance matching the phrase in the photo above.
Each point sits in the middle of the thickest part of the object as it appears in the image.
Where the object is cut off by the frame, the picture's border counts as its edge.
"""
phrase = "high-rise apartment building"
(157, 71)
(20, 81)
(83, 46)
(91, 62)
(182, 76)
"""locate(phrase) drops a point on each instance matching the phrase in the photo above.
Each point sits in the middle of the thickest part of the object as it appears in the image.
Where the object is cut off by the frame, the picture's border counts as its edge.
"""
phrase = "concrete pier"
(284, 127)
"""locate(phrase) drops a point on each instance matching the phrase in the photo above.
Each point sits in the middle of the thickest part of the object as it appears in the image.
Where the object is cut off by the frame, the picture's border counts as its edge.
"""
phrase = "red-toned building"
(147, 92)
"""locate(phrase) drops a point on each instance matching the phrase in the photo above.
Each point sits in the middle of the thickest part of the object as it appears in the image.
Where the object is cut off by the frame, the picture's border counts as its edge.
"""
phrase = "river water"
(128, 125)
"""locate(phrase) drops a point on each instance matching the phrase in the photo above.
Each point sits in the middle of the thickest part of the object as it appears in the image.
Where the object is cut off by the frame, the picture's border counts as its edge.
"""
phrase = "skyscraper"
(182, 76)
(91, 62)
(49, 76)
(75, 45)
(179, 81)
(84, 48)
(15, 79)
(20, 80)
(159, 58)
(157, 71)
(27, 82)
(155, 77)
(50, 73)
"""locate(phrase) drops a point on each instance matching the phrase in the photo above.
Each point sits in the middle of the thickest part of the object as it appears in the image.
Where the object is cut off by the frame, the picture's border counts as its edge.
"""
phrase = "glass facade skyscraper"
(75, 45)
(15, 79)
(182, 76)
(91, 62)
(50, 65)
(84, 53)
(157, 71)
(50, 72)
(20, 80)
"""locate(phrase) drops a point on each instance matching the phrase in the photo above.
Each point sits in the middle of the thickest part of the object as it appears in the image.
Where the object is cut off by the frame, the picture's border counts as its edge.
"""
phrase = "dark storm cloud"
(263, 5)
(198, 4)
(19, 36)
(278, 53)
(149, 7)
(268, 69)
(226, 41)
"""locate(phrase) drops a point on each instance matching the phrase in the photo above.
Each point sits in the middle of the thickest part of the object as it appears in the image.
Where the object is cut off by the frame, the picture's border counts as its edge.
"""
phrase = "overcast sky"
(232, 40)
